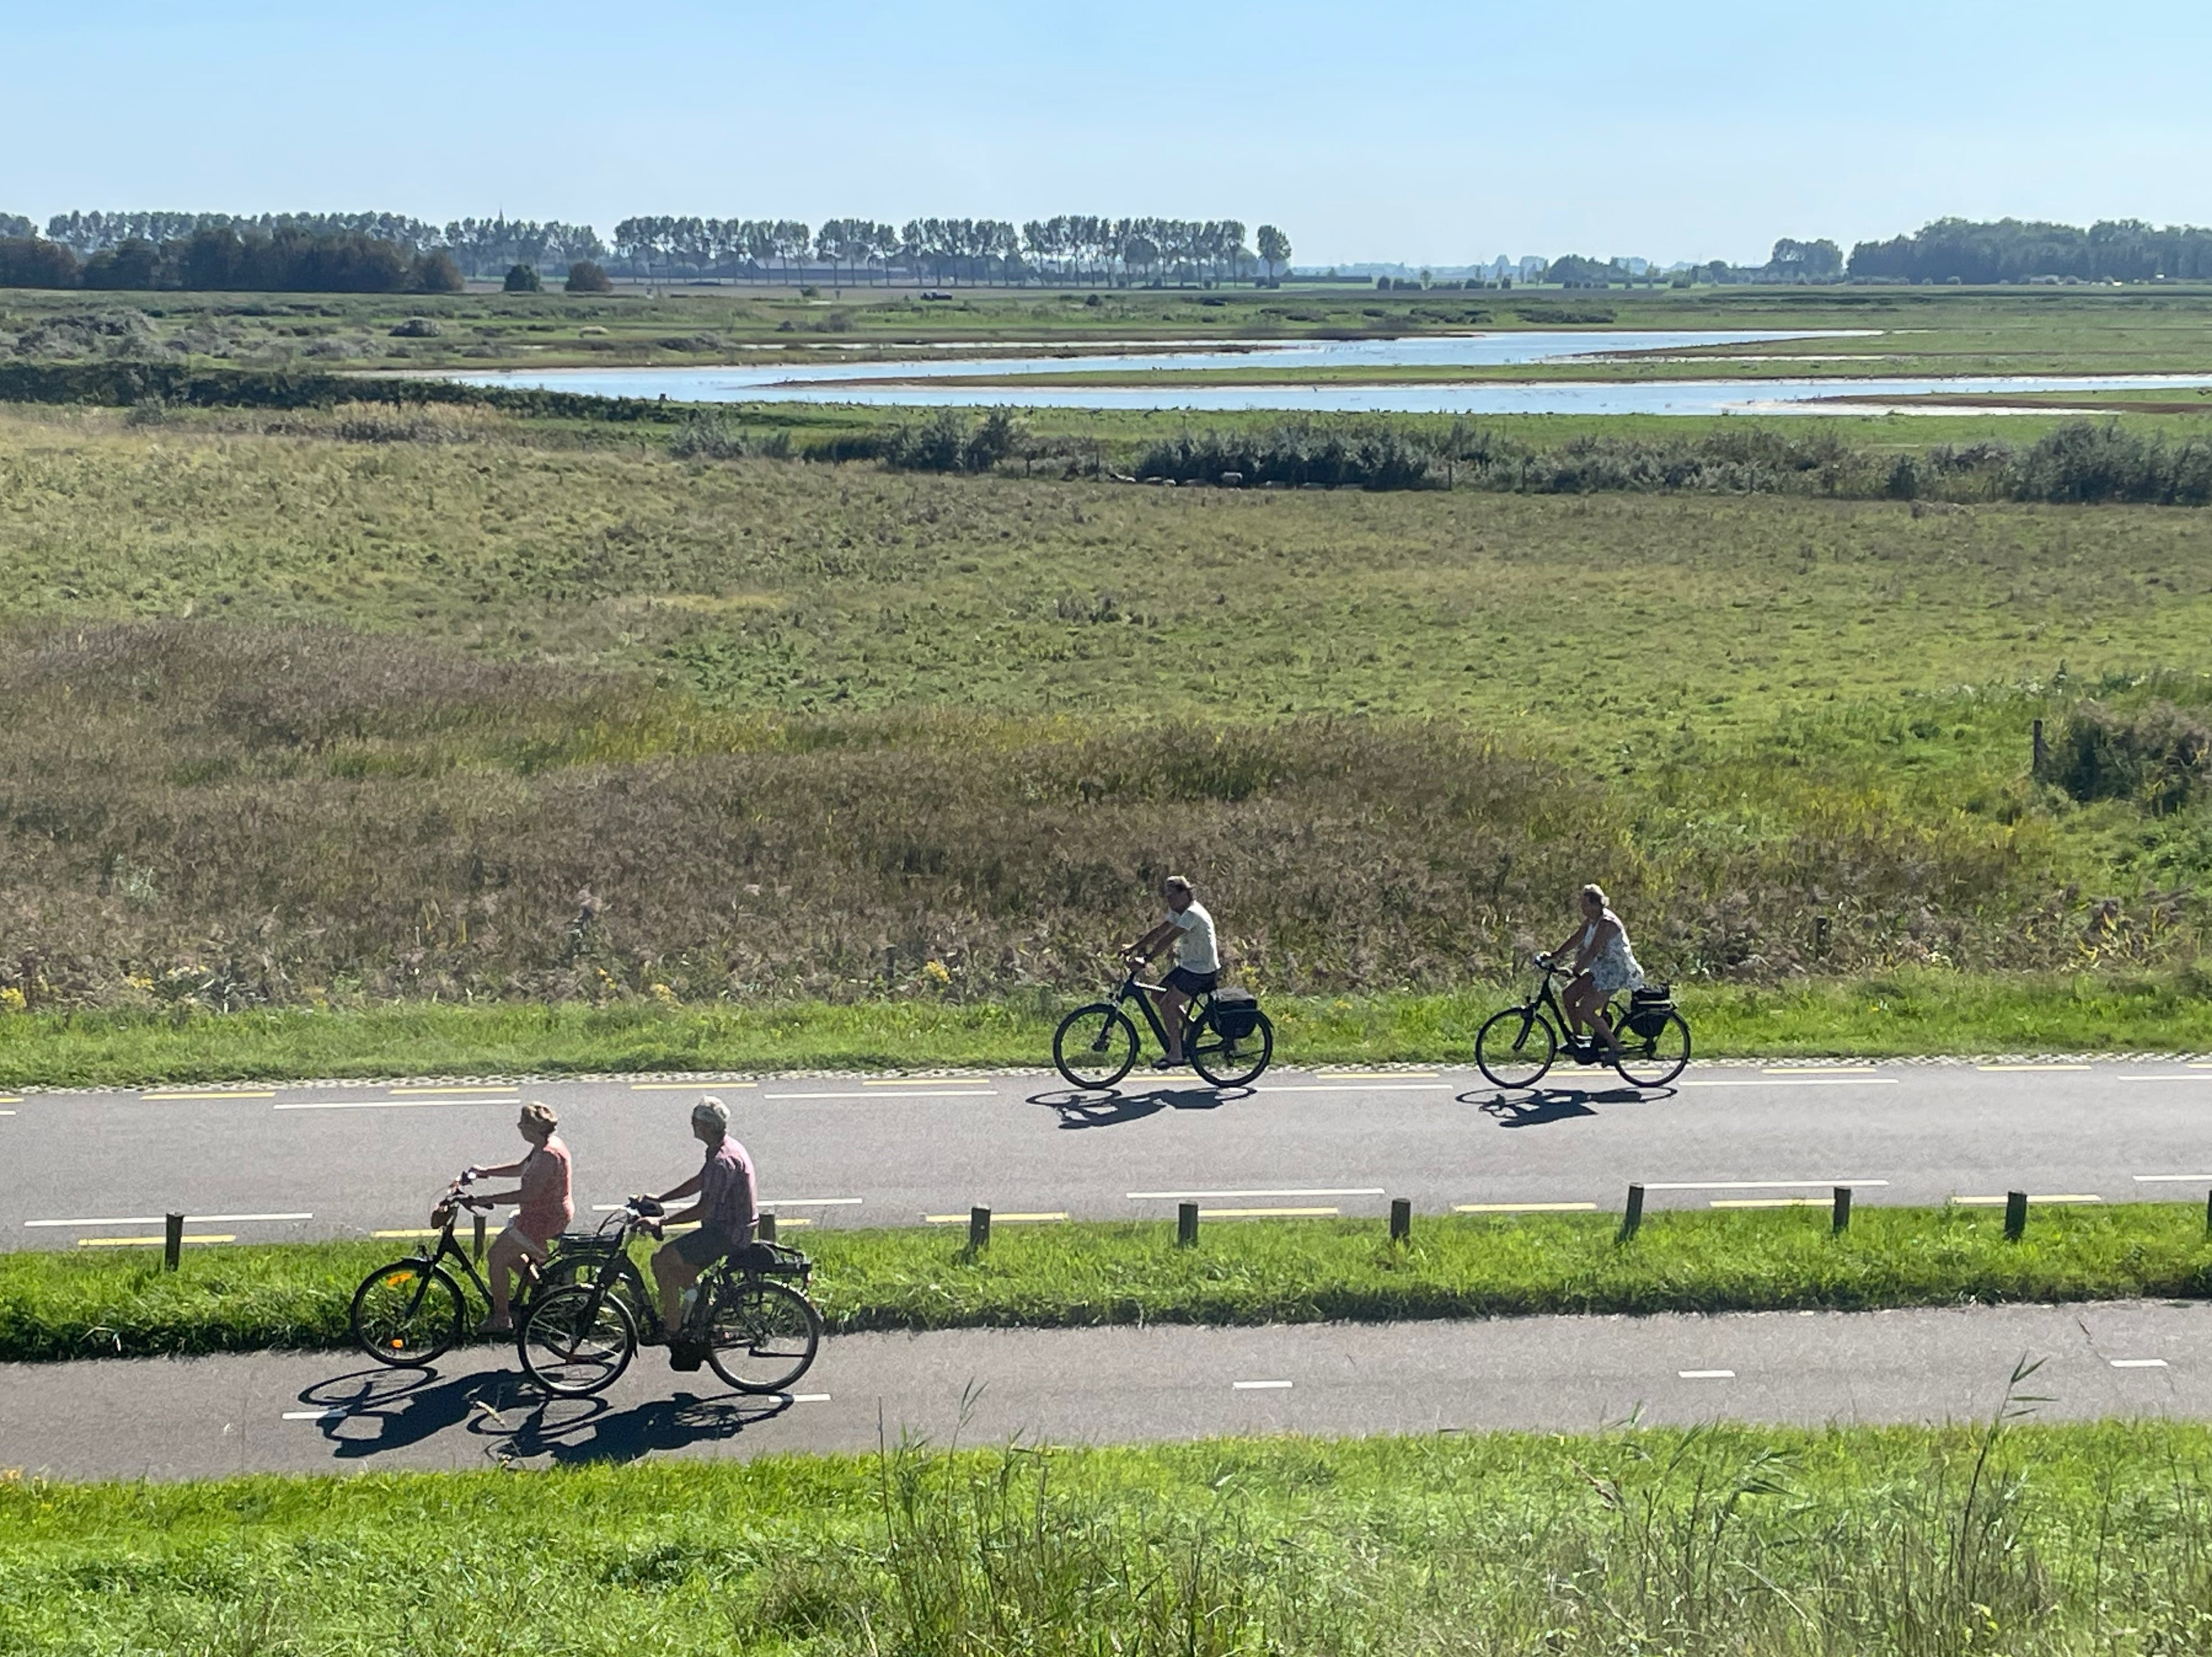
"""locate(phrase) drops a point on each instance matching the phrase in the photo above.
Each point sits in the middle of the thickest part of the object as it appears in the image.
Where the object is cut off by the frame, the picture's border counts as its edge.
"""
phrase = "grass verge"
(2020, 1539)
(1903, 1013)
(57, 1306)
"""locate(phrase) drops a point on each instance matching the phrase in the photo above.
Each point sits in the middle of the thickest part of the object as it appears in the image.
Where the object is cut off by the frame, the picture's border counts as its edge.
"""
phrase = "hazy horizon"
(1432, 135)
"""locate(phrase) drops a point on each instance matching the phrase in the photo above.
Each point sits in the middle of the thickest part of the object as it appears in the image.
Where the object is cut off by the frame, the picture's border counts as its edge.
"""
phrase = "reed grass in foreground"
(57, 1306)
(1910, 1011)
(2012, 1539)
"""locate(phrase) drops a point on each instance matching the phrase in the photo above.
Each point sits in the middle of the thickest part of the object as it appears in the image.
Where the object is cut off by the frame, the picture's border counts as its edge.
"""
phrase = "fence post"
(480, 1234)
(979, 1228)
(2015, 1215)
(1401, 1219)
(765, 1229)
(1186, 1225)
(1840, 1221)
(173, 1242)
(1631, 1217)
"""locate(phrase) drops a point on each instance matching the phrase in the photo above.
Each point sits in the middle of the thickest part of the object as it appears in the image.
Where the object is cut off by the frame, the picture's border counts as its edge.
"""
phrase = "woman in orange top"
(543, 1208)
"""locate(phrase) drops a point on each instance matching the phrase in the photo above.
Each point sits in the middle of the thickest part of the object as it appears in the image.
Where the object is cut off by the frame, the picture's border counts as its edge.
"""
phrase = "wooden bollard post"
(1631, 1217)
(2015, 1215)
(480, 1234)
(979, 1228)
(1841, 1220)
(2208, 1214)
(1401, 1219)
(173, 1242)
(765, 1231)
(1186, 1225)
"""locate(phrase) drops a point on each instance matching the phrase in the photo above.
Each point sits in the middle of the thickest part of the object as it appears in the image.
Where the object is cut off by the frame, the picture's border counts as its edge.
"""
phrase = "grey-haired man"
(727, 1210)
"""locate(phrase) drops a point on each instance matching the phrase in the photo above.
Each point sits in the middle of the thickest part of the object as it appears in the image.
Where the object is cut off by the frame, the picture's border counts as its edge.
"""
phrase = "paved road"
(100, 1169)
(196, 1417)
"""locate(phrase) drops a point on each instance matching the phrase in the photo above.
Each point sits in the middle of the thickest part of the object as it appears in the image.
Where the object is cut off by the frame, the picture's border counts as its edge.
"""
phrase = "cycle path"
(334, 1413)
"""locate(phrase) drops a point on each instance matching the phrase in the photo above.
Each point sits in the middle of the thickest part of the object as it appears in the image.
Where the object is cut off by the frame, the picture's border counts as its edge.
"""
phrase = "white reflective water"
(905, 383)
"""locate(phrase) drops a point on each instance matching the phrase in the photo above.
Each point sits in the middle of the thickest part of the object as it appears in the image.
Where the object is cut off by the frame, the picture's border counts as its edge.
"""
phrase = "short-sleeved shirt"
(1195, 951)
(727, 1207)
(545, 1209)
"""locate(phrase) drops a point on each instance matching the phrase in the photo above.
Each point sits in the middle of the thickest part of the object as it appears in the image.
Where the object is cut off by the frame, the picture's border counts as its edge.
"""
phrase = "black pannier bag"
(1236, 1014)
(1649, 1009)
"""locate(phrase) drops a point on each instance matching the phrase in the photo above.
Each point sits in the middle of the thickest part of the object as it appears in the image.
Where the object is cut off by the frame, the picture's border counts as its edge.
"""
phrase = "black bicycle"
(1516, 1048)
(758, 1333)
(1225, 1037)
(411, 1311)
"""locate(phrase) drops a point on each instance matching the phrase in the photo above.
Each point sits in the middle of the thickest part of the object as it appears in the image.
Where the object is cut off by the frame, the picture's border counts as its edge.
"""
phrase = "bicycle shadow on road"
(1538, 1107)
(407, 1406)
(1113, 1108)
(579, 1430)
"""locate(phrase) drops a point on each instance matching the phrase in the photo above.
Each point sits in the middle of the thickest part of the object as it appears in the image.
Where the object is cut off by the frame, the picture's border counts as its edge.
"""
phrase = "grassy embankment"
(1900, 1542)
(58, 1306)
(328, 725)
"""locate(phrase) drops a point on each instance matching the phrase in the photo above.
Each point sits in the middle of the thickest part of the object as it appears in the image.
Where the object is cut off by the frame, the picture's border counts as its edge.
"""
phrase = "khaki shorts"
(701, 1249)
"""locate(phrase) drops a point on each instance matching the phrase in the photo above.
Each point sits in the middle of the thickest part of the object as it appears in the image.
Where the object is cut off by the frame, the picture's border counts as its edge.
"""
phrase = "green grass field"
(237, 1298)
(2036, 1541)
(492, 715)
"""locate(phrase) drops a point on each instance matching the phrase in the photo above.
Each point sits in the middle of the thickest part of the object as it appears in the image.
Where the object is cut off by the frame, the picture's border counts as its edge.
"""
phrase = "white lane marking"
(804, 1397)
(1365, 1087)
(7, 1113)
(225, 1093)
(1705, 1375)
(381, 1104)
(1756, 1185)
(1817, 1069)
(159, 1219)
(2171, 1179)
(315, 1415)
(998, 1219)
(686, 1087)
(1266, 1213)
(1287, 1191)
(1524, 1208)
(151, 1242)
(946, 1093)
(1787, 1082)
(1995, 1069)
(2034, 1197)
(11, 1098)
(2200, 1076)
(2140, 1363)
(1261, 1385)
(394, 1236)
(1375, 1075)
(1769, 1202)
(510, 1087)
(911, 1081)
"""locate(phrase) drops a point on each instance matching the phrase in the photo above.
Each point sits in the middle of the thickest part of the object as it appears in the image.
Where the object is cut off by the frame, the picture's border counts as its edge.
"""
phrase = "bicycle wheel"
(1095, 1045)
(1231, 1063)
(1515, 1047)
(1653, 1061)
(581, 1267)
(577, 1340)
(763, 1335)
(407, 1314)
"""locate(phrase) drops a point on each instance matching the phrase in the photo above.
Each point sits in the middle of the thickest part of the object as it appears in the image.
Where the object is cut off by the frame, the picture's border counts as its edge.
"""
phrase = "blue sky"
(1433, 133)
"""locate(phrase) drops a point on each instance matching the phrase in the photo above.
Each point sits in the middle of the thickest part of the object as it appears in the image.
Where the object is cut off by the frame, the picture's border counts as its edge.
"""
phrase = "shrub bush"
(2156, 757)
(587, 277)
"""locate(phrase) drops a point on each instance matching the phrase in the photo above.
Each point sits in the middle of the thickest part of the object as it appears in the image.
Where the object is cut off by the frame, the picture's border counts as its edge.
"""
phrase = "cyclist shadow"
(579, 1430)
(1538, 1106)
(407, 1406)
(1112, 1109)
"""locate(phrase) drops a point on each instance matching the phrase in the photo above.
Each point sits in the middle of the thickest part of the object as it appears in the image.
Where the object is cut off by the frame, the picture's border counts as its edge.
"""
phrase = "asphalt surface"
(100, 1170)
(331, 1412)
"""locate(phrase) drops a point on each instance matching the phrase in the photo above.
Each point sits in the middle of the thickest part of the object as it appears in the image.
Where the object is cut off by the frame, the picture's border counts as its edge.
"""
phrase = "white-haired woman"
(1604, 966)
(543, 1208)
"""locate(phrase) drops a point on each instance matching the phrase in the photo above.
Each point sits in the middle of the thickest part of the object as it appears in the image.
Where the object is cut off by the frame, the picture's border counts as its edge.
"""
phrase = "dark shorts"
(701, 1249)
(1191, 983)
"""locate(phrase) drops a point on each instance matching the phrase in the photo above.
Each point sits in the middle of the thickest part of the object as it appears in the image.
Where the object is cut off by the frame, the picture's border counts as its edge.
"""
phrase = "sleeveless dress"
(1615, 969)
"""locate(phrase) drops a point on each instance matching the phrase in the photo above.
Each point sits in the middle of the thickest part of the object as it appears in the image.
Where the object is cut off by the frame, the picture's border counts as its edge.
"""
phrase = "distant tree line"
(219, 257)
(477, 247)
(2015, 249)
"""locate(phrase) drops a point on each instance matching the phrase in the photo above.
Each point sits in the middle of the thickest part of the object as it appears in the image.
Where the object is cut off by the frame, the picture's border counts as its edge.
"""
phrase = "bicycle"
(757, 1334)
(1514, 1049)
(1225, 1037)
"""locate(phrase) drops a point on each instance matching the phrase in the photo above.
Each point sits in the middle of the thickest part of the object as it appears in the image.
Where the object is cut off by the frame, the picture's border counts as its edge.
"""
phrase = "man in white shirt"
(1198, 960)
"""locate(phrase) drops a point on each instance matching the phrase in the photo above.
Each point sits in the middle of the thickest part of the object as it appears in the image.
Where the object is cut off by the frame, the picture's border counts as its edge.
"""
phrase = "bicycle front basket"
(1236, 1014)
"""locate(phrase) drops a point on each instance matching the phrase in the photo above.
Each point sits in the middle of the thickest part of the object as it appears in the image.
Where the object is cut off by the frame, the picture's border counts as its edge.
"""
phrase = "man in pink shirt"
(543, 1208)
(727, 1210)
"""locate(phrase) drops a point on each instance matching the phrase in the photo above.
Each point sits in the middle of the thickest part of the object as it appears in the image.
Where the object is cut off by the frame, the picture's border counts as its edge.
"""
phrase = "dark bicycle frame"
(1195, 1011)
(725, 1272)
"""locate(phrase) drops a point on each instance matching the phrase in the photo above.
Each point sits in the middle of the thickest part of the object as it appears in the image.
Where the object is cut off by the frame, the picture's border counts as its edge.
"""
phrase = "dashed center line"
(2140, 1363)
(160, 1219)
(1798, 1080)
(383, 1104)
(1286, 1191)
(224, 1093)
(441, 1092)
(2171, 1179)
(997, 1219)
(688, 1087)
(1769, 1202)
(1524, 1208)
(1261, 1385)
(1705, 1375)
(777, 1203)
(1266, 1213)
(944, 1093)
(2034, 1197)
(1364, 1087)
(2200, 1076)
(1997, 1068)
(315, 1415)
(1756, 1185)
(804, 1397)
(151, 1242)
